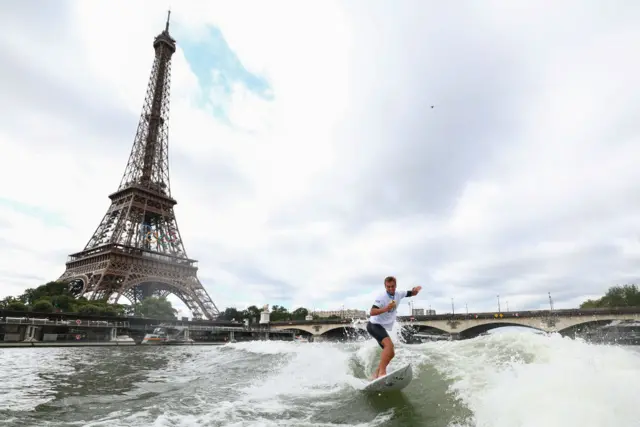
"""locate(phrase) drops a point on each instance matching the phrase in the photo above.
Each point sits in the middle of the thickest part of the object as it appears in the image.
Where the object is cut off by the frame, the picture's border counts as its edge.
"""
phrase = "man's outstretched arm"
(414, 291)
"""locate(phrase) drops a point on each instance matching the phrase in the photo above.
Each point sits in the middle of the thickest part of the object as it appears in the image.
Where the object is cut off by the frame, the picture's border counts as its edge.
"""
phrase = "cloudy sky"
(307, 160)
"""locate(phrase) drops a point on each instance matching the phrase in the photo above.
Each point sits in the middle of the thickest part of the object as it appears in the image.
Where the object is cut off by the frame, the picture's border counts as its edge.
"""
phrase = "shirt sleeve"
(379, 303)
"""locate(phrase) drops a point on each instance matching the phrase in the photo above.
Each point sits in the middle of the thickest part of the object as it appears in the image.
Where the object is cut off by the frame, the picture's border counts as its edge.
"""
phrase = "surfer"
(383, 316)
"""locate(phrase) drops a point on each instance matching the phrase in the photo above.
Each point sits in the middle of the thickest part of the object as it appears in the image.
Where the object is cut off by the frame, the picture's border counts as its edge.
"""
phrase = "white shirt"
(388, 318)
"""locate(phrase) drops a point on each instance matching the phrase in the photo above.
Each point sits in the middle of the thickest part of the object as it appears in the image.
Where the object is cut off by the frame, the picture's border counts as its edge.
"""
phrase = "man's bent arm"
(376, 310)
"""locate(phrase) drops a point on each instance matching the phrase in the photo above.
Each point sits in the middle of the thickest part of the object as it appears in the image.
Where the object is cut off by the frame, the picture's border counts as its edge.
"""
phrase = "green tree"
(158, 308)
(590, 304)
(616, 296)
(17, 306)
(279, 314)
(43, 306)
(31, 295)
(299, 313)
(4, 303)
(252, 313)
(62, 302)
(60, 298)
(90, 309)
(231, 313)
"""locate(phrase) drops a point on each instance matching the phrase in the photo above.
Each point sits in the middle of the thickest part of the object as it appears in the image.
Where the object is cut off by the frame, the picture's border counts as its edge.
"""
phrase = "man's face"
(390, 287)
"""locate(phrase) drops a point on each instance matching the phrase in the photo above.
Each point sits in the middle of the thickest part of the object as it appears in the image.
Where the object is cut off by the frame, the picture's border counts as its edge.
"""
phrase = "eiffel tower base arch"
(111, 275)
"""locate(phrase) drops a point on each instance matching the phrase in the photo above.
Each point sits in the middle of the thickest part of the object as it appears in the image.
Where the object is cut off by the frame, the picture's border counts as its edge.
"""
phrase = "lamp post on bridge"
(467, 307)
(507, 306)
(498, 303)
(550, 302)
(453, 311)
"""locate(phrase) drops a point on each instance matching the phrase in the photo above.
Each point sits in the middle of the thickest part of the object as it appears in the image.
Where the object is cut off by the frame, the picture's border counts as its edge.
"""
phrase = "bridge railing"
(484, 315)
(316, 322)
(525, 314)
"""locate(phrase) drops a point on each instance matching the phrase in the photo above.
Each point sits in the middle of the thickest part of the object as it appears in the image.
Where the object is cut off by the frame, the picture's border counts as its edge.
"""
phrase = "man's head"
(390, 285)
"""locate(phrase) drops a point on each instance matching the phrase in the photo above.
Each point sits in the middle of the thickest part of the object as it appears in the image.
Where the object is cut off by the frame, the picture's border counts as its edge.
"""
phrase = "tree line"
(58, 297)
(616, 296)
(278, 314)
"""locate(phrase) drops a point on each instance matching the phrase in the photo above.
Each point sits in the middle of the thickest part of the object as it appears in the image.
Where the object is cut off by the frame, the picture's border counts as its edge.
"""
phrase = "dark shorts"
(378, 332)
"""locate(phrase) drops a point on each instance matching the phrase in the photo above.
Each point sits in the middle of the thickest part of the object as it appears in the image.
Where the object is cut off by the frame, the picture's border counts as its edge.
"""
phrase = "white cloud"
(520, 180)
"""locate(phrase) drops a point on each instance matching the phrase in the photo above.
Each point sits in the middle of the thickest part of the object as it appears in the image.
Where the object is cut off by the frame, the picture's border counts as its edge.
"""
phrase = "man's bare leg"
(387, 354)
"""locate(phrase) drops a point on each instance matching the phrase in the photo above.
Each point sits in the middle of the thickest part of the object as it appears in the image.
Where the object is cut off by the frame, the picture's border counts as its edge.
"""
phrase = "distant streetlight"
(467, 307)
(507, 306)
(453, 311)
(498, 303)
(550, 302)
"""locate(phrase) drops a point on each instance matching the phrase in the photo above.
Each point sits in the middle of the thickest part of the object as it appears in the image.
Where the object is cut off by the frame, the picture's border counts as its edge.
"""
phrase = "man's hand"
(390, 306)
(415, 290)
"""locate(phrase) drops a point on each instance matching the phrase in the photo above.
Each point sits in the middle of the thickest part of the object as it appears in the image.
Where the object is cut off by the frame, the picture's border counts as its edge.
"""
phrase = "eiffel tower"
(137, 251)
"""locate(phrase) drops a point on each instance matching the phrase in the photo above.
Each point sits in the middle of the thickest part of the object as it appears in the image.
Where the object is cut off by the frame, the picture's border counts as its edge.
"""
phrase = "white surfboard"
(395, 380)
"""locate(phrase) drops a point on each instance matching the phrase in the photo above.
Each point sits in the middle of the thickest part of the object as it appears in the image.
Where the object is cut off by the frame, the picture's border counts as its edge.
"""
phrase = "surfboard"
(395, 380)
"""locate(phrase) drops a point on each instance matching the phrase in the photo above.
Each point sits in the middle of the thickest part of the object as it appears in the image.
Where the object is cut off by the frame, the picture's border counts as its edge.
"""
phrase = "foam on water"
(500, 380)
(530, 380)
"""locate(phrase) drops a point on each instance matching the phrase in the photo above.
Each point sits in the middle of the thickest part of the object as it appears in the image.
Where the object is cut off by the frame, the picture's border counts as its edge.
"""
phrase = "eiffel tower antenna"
(136, 251)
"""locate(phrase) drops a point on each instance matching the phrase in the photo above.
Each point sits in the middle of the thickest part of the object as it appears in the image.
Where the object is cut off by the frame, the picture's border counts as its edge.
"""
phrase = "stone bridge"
(473, 324)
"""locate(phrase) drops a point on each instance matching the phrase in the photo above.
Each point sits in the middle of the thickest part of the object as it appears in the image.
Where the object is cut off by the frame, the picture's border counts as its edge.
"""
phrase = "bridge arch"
(310, 329)
(344, 333)
(345, 327)
(303, 332)
(162, 287)
(344, 330)
(477, 330)
(575, 325)
(350, 329)
(420, 328)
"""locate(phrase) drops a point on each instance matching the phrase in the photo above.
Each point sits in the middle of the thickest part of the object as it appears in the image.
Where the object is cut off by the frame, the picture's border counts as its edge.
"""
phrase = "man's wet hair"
(389, 279)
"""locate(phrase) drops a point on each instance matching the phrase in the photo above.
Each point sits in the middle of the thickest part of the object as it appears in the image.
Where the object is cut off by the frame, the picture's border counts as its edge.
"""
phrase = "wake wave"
(502, 380)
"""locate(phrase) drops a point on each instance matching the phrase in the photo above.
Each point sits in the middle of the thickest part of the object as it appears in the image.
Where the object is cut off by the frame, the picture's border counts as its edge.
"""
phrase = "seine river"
(512, 379)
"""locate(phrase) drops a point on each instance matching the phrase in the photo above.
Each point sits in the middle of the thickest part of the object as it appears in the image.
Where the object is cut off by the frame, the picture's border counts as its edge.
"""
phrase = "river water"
(510, 379)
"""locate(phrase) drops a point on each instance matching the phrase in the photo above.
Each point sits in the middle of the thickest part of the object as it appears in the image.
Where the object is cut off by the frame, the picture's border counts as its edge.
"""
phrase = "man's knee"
(387, 344)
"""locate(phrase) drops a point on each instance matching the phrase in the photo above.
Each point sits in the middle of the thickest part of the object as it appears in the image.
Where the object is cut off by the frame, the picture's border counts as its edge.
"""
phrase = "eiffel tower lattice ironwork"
(137, 251)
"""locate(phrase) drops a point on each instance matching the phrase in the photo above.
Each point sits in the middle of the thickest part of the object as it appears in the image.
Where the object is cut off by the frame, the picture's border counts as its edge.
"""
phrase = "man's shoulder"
(381, 298)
